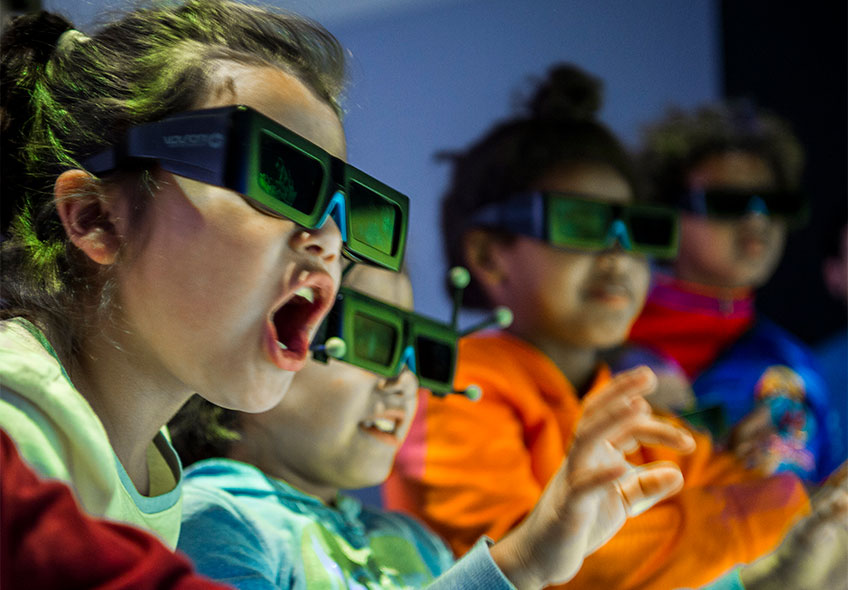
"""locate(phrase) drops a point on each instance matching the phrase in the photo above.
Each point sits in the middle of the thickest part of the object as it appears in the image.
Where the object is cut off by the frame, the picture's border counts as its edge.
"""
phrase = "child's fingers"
(829, 517)
(626, 424)
(754, 427)
(641, 405)
(839, 477)
(652, 430)
(586, 481)
(610, 421)
(642, 487)
(831, 501)
(635, 382)
(609, 410)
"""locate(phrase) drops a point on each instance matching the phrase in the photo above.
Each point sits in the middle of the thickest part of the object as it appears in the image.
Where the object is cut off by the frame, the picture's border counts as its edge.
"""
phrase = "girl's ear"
(88, 215)
(481, 250)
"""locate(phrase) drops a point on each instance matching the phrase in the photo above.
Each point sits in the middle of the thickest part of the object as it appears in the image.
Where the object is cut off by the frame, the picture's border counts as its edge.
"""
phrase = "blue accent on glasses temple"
(757, 205)
(408, 358)
(336, 209)
(698, 201)
(618, 232)
(523, 213)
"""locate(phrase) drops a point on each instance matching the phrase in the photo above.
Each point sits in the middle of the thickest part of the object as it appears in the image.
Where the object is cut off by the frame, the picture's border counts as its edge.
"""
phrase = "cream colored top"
(59, 435)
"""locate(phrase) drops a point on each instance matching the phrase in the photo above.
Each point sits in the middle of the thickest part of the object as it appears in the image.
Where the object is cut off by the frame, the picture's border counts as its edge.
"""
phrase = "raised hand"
(773, 436)
(596, 489)
(750, 438)
(815, 552)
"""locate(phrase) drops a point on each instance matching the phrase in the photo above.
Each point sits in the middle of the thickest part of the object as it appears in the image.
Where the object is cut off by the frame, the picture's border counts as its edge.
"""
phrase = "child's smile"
(385, 425)
(615, 293)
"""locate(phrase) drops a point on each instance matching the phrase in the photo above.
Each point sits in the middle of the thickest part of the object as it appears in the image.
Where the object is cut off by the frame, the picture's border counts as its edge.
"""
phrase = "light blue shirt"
(255, 532)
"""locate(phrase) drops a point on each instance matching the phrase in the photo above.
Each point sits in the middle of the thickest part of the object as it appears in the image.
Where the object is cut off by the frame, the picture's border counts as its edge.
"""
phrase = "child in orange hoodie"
(542, 212)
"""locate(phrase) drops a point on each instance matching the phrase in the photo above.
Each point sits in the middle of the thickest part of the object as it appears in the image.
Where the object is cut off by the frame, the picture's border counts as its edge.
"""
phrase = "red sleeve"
(47, 542)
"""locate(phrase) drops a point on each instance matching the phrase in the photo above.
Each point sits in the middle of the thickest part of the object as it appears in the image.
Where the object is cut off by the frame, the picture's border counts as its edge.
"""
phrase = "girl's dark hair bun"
(34, 35)
(567, 94)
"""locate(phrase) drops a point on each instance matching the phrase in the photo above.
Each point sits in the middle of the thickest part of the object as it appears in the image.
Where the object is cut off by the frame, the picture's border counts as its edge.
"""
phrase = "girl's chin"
(594, 339)
(267, 396)
(608, 336)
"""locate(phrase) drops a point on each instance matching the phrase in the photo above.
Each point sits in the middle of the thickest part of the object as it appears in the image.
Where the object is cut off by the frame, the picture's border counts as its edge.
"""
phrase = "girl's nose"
(755, 220)
(405, 384)
(615, 259)
(324, 242)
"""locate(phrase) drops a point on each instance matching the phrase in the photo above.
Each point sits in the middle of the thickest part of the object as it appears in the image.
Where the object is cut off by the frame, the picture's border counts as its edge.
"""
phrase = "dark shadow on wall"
(793, 59)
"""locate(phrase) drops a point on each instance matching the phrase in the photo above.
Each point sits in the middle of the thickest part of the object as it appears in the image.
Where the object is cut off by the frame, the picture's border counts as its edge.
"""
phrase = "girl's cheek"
(711, 242)
(642, 280)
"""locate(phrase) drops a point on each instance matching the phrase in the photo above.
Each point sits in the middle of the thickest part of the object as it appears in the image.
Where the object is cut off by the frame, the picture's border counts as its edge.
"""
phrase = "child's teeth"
(384, 425)
(306, 293)
(282, 346)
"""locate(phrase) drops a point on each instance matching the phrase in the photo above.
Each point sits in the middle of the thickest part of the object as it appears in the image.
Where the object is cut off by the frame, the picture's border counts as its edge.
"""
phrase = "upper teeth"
(384, 425)
(281, 345)
(307, 293)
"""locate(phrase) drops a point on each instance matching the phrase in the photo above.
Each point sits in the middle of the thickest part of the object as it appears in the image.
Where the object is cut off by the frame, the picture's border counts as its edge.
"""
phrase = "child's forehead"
(736, 168)
(281, 96)
(392, 287)
(586, 178)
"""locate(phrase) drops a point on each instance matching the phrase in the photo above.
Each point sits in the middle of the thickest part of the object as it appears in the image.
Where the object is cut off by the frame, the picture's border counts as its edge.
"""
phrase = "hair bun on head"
(37, 35)
(568, 94)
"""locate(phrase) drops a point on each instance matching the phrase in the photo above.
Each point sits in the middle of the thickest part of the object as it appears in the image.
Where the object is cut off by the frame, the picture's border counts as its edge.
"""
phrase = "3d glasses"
(733, 204)
(277, 171)
(382, 338)
(579, 222)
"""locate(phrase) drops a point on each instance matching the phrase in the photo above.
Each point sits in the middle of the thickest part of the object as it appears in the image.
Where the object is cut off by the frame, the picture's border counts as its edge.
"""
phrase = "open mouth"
(385, 426)
(290, 325)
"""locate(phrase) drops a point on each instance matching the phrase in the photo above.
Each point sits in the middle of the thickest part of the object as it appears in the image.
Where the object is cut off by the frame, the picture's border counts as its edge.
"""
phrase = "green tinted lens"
(374, 340)
(374, 220)
(376, 332)
(290, 177)
(377, 218)
(653, 231)
(573, 222)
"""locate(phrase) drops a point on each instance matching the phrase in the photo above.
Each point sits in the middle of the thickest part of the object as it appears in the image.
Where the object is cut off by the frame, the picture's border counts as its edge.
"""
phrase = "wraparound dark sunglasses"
(731, 204)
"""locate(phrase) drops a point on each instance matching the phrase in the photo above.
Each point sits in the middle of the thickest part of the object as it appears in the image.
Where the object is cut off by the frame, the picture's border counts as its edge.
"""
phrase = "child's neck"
(258, 447)
(578, 364)
(326, 493)
(695, 284)
(129, 400)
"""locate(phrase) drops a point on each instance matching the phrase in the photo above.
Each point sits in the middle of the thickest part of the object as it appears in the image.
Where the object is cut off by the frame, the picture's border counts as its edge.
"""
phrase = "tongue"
(290, 322)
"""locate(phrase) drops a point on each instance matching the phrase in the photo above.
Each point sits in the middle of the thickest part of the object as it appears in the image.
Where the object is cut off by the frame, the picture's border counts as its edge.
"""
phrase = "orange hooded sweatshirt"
(478, 468)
